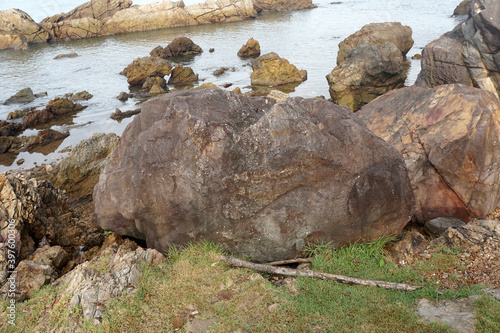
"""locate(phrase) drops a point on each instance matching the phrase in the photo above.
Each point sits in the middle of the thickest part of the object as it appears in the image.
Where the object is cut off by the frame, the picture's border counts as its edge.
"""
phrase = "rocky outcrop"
(259, 177)
(182, 75)
(378, 33)
(79, 171)
(142, 68)
(469, 54)
(250, 49)
(449, 138)
(55, 108)
(369, 64)
(272, 70)
(179, 47)
(117, 268)
(17, 30)
(463, 8)
(22, 96)
(280, 5)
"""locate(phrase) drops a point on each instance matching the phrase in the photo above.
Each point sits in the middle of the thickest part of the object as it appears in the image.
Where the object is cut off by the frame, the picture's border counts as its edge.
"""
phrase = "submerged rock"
(449, 137)
(259, 177)
(272, 70)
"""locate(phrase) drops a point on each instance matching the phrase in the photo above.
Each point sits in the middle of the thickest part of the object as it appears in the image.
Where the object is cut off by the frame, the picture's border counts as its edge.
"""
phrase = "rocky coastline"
(260, 174)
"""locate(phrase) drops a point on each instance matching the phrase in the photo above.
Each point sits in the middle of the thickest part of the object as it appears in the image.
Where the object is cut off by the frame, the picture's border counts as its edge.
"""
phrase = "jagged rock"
(473, 234)
(439, 225)
(277, 95)
(369, 71)
(66, 55)
(29, 278)
(156, 90)
(412, 242)
(154, 81)
(259, 177)
(118, 268)
(378, 33)
(53, 256)
(79, 171)
(463, 8)
(45, 137)
(123, 96)
(180, 46)
(17, 30)
(22, 96)
(11, 129)
(250, 49)
(182, 75)
(119, 115)
(449, 138)
(82, 95)
(272, 70)
(19, 113)
(469, 54)
(54, 109)
(142, 68)
(281, 5)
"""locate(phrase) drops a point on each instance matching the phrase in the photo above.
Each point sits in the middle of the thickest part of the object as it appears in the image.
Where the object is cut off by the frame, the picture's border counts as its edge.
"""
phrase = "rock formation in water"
(279, 5)
(272, 70)
(142, 68)
(250, 49)
(369, 64)
(17, 30)
(450, 139)
(469, 54)
(259, 177)
(179, 47)
(55, 108)
(182, 75)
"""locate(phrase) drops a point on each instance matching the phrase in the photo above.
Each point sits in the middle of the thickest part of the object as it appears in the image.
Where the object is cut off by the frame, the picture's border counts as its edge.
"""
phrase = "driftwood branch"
(290, 261)
(307, 273)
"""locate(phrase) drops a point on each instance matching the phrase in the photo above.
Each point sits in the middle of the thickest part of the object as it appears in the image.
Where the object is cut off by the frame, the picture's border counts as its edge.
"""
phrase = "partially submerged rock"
(66, 55)
(272, 70)
(21, 97)
(119, 114)
(179, 47)
(182, 75)
(54, 109)
(259, 177)
(449, 138)
(250, 49)
(142, 68)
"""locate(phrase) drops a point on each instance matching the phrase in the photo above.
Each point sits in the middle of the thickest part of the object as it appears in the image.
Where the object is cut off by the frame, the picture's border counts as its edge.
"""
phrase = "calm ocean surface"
(308, 39)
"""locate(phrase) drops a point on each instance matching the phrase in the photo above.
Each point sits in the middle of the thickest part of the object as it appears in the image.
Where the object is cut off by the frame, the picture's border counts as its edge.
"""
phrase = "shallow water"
(308, 39)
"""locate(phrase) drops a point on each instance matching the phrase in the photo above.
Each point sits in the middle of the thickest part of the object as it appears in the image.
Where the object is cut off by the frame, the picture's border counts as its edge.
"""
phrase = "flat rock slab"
(459, 314)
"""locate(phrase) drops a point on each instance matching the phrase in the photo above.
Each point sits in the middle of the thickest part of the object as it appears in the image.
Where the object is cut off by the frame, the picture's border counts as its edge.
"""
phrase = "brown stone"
(182, 75)
(142, 68)
(272, 70)
(180, 46)
(250, 49)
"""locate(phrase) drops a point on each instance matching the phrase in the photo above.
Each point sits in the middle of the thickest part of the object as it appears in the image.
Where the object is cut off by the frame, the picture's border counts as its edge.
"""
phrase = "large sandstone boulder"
(250, 49)
(450, 139)
(180, 46)
(142, 68)
(281, 5)
(259, 177)
(367, 71)
(469, 54)
(378, 33)
(272, 70)
(79, 172)
(17, 30)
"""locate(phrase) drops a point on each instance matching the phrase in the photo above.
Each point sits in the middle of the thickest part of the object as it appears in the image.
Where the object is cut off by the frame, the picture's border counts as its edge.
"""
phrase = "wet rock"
(21, 97)
(123, 96)
(275, 175)
(378, 33)
(282, 5)
(250, 49)
(19, 113)
(17, 30)
(37, 117)
(182, 75)
(368, 71)
(118, 268)
(66, 55)
(54, 109)
(439, 225)
(29, 278)
(82, 95)
(469, 54)
(154, 81)
(180, 46)
(119, 115)
(45, 137)
(459, 314)
(142, 68)
(11, 129)
(272, 70)
(449, 137)
(79, 171)
(222, 70)
(211, 50)
(463, 8)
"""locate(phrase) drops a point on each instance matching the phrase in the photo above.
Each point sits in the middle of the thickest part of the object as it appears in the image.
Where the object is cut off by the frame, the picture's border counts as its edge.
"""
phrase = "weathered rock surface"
(142, 68)
(43, 138)
(11, 129)
(259, 177)
(79, 171)
(22, 96)
(439, 225)
(17, 30)
(54, 109)
(182, 75)
(369, 64)
(250, 49)
(280, 5)
(272, 70)
(82, 95)
(449, 138)
(473, 234)
(369, 71)
(469, 54)
(66, 55)
(53, 256)
(119, 114)
(179, 47)
(154, 81)
(378, 33)
(115, 270)
(463, 8)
